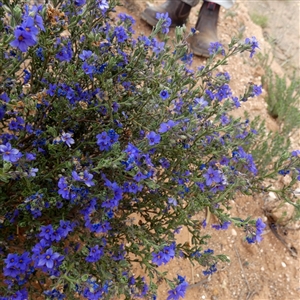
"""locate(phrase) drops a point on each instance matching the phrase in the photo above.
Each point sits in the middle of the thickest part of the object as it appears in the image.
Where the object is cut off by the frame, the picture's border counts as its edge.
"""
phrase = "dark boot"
(178, 12)
(207, 27)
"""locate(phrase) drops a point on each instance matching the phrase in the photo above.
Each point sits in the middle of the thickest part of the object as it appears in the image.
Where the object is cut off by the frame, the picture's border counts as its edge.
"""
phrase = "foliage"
(109, 146)
(282, 99)
(259, 19)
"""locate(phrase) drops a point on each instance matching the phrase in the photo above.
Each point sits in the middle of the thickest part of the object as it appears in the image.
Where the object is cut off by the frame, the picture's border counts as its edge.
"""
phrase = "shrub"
(108, 147)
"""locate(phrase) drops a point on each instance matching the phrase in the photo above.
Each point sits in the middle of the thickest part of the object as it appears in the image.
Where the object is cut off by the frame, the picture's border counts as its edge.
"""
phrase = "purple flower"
(23, 39)
(257, 90)
(164, 163)
(223, 92)
(201, 102)
(76, 176)
(67, 138)
(102, 227)
(222, 226)
(103, 141)
(65, 54)
(87, 178)
(165, 255)
(253, 43)
(30, 156)
(52, 89)
(46, 232)
(164, 127)
(32, 172)
(86, 54)
(215, 48)
(172, 201)
(153, 137)
(49, 259)
(236, 102)
(166, 21)
(28, 25)
(79, 2)
(66, 227)
(212, 176)
(4, 97)
(260, 226)
(103, 5)
(164, 94)
(295, 153)
(9, 154)
(121, 34)
(139, 176)
(157, 46)
(64, 189)
(95, 254)
(88, 69)
(224, 119)
(178, 292)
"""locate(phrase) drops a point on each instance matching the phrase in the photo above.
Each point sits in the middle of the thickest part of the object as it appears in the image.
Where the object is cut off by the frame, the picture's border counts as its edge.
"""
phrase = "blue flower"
(103, 5)
(49, 259)
(153, 137)
(66, 227)
(164, 127)
(260, 226)
(95, 254)
(257, 90)
(212, 176)
(10, 154)
(157, 46)
(79, 2)
(88, 69)
(46, 232)
(67, 138)
(86, 54)
(222, 226)
(121, 34)
(252, 236)
(64, 189)
(178, 292)
(87, 178)
(253, 43)
(166, 21)
(23, 39)
(139, 176)
(164, 94)
(215, 48)
(28, 25)
(172, 201)
(165, 255)
(223, 92)
(65, 54)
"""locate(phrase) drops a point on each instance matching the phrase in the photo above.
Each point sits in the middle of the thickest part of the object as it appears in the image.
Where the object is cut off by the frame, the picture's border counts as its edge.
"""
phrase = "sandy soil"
(262, 271)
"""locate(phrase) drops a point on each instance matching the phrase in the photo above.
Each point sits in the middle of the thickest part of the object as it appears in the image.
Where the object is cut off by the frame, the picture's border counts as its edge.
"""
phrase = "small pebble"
(283, 264)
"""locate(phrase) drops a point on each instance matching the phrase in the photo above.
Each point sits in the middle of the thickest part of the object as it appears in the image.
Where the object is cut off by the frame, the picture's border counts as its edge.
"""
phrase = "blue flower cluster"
(108, 149)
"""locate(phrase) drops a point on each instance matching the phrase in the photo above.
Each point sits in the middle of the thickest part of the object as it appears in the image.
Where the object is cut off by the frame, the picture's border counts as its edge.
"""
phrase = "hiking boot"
(178, 12)
(207, 27)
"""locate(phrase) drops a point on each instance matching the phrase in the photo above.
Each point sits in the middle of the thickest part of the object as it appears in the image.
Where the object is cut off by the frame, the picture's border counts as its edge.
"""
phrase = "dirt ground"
(261, 271)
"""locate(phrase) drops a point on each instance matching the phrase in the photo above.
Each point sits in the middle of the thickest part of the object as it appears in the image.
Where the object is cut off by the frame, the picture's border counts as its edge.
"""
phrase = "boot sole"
(199, 53)
(152, 22)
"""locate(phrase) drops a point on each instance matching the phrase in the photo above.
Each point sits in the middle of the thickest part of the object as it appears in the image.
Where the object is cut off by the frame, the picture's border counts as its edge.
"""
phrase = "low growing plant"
(110, 145)
(283, 100)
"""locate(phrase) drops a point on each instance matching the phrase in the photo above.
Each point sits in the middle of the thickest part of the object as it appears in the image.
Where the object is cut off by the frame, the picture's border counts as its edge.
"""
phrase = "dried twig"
(250, 292)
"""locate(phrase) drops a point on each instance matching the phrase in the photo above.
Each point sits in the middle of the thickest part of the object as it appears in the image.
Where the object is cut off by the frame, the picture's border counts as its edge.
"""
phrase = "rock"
(283, 213)
(233, 232)
(283, 264)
